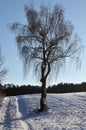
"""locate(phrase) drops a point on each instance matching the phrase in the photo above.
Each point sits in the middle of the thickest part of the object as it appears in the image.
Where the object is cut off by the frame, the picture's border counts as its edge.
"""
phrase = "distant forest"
(13, 90)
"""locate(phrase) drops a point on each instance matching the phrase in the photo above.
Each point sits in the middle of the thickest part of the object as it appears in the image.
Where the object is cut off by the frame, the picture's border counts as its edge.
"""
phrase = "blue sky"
(13, 11)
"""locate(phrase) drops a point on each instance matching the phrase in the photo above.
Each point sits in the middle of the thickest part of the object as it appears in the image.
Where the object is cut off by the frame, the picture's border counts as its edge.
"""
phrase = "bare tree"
(3, 70)
(46, 40)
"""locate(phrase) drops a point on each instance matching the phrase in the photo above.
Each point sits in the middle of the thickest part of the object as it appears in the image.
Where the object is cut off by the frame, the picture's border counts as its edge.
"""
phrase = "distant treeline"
(13, 90)
(67, 88)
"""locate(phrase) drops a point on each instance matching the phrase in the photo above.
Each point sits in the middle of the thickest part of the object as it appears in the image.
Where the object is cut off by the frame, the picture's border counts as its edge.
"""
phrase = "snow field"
(66, 112)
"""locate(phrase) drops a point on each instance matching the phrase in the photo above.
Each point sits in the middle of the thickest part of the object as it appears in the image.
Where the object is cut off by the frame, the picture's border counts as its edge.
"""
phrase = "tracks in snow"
(12, 117)
(17, 112)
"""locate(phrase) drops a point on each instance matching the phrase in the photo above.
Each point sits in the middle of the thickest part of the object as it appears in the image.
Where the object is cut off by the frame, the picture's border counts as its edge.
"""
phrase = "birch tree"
(47, 40)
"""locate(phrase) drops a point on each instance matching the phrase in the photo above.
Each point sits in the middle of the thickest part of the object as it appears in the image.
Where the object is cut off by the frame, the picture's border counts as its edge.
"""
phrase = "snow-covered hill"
(67, 112)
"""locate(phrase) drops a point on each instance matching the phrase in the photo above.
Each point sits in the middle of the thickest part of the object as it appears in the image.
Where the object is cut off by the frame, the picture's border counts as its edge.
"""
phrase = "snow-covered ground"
(66, 112)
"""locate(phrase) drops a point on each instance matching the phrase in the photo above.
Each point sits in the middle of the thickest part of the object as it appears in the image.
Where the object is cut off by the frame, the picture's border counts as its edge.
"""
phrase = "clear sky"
(13, 11)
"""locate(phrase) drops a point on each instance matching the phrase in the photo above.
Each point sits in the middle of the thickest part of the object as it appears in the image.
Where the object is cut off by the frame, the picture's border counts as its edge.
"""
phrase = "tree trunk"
(43, 103)
(44, 74)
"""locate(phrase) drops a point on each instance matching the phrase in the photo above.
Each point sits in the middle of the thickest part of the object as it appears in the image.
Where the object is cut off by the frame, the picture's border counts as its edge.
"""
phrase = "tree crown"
(47, 39)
